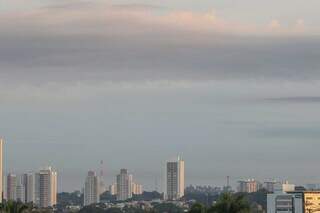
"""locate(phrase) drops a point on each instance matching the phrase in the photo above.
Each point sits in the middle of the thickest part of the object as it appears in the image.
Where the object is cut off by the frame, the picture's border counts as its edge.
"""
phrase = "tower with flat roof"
(175, 179)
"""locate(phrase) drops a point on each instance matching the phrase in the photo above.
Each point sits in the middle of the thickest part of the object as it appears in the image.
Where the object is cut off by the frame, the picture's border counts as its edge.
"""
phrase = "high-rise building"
(28, 181)
(47, 191)
(269, 185)
(248, 186)
(11, 186)
(91, 189)
(113, 189)
(124, 182)
(20, 192)
(136, 189)
(1, 170)
(175, 179)
(102, 186)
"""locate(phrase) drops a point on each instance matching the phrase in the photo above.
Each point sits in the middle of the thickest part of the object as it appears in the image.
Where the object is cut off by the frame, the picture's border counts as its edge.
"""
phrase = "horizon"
(231, 87)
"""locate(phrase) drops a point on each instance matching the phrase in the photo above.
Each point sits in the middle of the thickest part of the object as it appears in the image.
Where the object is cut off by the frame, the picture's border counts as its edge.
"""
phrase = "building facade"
(270, 185)
(91, 189)
(294, 202)
(47, 187)
(124, 182)
(28, 181)
(175, 179)
(11, 186)
(136, 189)
(20, 192)
(284, 199)
(248, 186)
(113, 189)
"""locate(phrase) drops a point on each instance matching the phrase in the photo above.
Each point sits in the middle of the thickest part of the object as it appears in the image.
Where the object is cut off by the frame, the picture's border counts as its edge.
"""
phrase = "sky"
(231, 86)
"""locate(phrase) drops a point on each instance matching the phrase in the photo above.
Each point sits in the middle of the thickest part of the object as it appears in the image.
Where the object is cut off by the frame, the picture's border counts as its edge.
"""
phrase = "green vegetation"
(229, 203)
(167, 207)
(257, 200)
(14, 207)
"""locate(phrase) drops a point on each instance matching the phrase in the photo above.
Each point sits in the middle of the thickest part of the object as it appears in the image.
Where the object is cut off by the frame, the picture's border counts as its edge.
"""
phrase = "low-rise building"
(287, 201)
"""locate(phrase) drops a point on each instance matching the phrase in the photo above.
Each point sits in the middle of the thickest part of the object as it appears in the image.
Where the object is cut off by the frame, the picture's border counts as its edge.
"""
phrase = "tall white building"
(1, 170)
(175, 179)
(46, 191)
(91, 189)
(20, 192)
(124, 185)
(28, 181)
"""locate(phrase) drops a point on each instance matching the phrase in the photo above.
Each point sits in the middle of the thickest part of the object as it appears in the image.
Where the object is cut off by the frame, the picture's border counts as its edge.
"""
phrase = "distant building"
(124, 182)
(28, 181)
(248, 186)
(284, 187)
(175, 179)
(102, 186)
(20, 192)
(11, 186)
(113, 189)
(91, 189)
(269, 185)
(136, 189)
(313, 186)
(46, 187)
(207, 189)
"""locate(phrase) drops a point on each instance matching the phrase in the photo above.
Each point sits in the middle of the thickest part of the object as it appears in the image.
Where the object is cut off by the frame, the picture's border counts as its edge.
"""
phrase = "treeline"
(226, 203)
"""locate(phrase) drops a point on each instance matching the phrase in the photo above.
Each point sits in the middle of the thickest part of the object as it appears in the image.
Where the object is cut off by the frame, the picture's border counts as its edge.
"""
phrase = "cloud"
(101, 17)
(88, 41)
(293, 99)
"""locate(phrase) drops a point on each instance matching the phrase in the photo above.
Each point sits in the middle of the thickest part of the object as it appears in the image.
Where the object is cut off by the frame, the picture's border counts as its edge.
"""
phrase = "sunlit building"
(175, 179)
(113, 189)
(47, 187)
(136, 189)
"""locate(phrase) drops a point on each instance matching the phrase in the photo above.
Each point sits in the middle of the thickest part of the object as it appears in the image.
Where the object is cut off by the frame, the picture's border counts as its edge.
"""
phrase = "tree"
(14, 207)
(167, 208)
(91, 208)
(198, 208)
(229, 203)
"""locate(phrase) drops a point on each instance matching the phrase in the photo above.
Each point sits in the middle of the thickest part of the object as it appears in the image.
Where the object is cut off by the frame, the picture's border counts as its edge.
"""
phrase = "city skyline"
(213, 81)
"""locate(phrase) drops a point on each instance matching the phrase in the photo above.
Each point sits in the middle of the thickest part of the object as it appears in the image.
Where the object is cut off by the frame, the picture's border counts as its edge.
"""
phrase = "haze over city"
(135, 83)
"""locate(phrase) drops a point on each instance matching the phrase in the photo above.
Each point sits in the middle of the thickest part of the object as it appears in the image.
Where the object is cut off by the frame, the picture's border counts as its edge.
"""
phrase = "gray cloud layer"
(131, 43)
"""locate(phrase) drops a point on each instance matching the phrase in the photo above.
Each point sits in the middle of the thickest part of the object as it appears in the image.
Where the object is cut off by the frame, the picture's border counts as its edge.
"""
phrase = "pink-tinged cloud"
(94, 18)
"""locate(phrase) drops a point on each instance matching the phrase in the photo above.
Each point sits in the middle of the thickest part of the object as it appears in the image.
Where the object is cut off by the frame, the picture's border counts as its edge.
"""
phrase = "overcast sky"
(231, 86)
